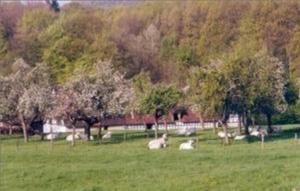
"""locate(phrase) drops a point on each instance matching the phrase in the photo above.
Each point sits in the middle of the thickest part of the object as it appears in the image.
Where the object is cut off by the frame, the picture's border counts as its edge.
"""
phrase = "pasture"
(119, 165)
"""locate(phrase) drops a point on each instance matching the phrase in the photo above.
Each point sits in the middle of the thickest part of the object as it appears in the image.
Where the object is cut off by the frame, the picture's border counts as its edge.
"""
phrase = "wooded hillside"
(164, 38)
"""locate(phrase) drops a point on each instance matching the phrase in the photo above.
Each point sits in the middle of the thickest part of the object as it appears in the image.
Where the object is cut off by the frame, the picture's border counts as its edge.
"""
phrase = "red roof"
(139, 119)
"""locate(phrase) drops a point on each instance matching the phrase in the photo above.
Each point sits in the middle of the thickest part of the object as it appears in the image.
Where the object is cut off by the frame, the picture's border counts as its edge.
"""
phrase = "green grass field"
(131, 166)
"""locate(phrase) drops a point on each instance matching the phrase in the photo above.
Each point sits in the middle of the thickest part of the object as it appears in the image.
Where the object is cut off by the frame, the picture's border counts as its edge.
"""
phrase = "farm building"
(175, 119)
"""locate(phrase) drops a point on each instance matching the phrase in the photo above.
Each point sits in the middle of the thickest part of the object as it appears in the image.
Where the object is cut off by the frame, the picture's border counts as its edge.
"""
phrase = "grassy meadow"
(119, 165)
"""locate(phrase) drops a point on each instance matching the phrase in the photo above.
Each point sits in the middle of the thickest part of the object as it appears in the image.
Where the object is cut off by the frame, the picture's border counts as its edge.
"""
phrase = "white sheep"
(255, 133)
(221, 135)
(107, 135)
(52, 136)
(187, 131)
(187, 145)
(158, 143)
(239, 137)
(70, 137)
(85, 137)
(259, 132)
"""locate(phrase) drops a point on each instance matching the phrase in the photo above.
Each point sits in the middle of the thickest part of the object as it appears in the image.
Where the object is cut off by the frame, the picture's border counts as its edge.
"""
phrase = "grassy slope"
(130, 166)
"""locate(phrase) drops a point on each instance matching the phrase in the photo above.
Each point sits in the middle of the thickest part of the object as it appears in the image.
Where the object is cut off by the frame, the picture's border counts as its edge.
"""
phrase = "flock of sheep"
(162, 142)
(77, 136)
(256, 132)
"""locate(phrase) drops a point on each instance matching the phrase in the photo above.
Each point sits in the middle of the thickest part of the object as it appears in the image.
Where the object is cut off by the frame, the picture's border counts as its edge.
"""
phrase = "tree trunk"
(99, 133)
(24, 127)
(73, 135)
(246, 124)
(166, 126)
(239, 128)
(225, 128)
(215, 126)
(202, 122)
(269, 120)
(89, 133)
(10, 130)
(156, 129)
(51, 133)
(253, 121)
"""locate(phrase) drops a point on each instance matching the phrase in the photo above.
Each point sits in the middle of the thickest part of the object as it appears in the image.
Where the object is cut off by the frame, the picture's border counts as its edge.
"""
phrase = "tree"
(270, 86)
(26, 94)
(158, 100)
(30, 28)
(210, 92)
(89, 97)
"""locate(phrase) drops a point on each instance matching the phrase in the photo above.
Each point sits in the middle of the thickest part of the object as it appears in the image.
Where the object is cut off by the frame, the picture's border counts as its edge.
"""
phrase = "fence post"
(125, 133)
(262, 141)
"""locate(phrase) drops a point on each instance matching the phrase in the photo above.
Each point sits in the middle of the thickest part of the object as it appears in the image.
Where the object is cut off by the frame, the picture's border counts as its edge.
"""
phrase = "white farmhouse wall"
(56, 127)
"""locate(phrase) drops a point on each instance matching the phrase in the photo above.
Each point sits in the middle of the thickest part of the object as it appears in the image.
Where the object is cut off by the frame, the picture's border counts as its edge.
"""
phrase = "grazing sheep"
(85, 137)
(187, 145)
(107, 135)
(259, 132)
(239, 137)
(187, 131)
(263, 132)
(158, 143)
(255, 133)
(221, 135)
(70, 137)
(52, 136)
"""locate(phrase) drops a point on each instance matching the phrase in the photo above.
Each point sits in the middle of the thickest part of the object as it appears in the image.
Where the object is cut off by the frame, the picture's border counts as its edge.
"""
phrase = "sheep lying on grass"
(52, 136)
(158, 143)
(187, 145)
(85, 137)
(78, 136)
(221, 135)
(257, 132)
(240, 137)
(70, 137)
(107, 136)
(187, 131)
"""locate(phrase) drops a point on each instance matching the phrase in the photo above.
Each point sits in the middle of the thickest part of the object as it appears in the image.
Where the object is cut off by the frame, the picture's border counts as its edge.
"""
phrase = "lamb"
(52, 136)
(221, 135)
(239, 137)
(255, 133)
(107, 135)
(187, 145)
(70, 137)
(158, 143)
(259, 132)
(187, 131)
(85, 137)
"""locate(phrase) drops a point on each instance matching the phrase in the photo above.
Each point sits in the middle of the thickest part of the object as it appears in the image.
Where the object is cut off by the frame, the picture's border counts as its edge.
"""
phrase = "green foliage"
(153, 37)
(30, 28)
(290, 116)
(184, 55)
(164, 39)
(159, 97)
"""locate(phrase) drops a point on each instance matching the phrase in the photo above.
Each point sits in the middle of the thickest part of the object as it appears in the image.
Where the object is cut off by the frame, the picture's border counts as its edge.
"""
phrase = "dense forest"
(163, 39)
